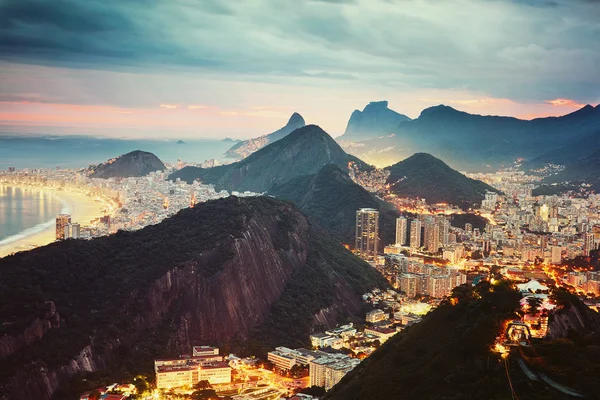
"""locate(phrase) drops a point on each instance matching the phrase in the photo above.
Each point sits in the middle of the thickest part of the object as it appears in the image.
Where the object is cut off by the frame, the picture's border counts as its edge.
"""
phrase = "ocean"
(26, 211)
(80, 152)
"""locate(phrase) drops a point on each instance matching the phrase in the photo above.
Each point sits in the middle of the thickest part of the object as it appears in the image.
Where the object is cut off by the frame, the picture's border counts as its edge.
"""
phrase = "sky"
(213, 68)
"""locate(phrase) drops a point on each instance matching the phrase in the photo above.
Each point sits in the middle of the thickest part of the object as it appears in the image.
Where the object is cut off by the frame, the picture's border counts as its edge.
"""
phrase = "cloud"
(499, 48)
(564, 103)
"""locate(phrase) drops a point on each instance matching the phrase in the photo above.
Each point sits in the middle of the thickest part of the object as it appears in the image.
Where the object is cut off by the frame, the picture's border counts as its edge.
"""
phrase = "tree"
(534, 304)
(200, 385)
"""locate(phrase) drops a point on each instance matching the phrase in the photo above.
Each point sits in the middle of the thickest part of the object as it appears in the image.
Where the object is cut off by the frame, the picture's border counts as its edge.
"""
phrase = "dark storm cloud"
(520, 49)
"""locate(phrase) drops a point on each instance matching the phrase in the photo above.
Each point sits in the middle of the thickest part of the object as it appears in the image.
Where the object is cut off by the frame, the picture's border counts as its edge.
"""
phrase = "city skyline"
(206, 69)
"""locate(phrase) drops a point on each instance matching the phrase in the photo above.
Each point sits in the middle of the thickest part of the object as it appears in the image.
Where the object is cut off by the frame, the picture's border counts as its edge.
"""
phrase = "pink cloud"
(565, 103)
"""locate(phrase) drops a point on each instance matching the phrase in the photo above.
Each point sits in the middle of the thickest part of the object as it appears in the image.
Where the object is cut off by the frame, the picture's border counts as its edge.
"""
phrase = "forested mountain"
(135, 164)
(251, 272)
(302, 152)
(422, 175)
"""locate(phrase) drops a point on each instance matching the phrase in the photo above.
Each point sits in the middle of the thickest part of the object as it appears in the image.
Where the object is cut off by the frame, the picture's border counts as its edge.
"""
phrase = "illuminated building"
(401, 229)
(468, 227)
(367, 233)
(589, 243)
(62, 224)
(444, 229)
(432, 237)
(187, 371)
(544, 212)
(375, 316)
(204, 351)
(328, 370)
(415, 234)
(556, 257)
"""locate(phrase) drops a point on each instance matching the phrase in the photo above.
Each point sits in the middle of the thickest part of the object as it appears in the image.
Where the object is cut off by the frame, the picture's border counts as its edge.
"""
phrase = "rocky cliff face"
(245, 148)
(574, 317)
(213, 293)
(11, 343)
(135, 164)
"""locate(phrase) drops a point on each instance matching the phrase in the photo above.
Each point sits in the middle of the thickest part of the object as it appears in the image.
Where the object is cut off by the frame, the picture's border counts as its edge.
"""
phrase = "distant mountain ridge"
(471, 142)
(302, 152)
(376, 119)
(134, 164)
(425, 176)
(331, 199)
(243, 149)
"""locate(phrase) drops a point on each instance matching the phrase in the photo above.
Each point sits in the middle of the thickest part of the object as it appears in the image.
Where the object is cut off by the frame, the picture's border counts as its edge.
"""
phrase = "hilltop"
(234, 270)
(243, 149)
(134, 164)
(425, 176)
(331, 199)
(302, 152)
(374, 120)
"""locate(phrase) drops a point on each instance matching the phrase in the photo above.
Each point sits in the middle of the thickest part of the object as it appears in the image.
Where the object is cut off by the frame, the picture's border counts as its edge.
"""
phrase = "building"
(401, 230)
(285, 358)
(444, 230)
(415, 234)
(432, 237)
(469, 227)
(367, 233)
(62, 225)
(187, 371)
(374, 316)
(589, 243)
(383, 334)
(328, 370)
(556, 256)
(204, 351)
(75, 231)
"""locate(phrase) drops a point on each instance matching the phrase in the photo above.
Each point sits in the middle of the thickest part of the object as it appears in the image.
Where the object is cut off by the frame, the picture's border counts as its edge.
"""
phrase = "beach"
(83, 210)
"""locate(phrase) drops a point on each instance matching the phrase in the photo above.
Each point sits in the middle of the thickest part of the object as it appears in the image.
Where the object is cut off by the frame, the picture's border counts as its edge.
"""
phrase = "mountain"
(249, 273)
(134, 164)
(331, 199)
(472, 142)
(244, 148)
(422, 175)
(448, 355)
(374, 120)
(180, 142)
(230, 140)
(302, 152)
(578, 171)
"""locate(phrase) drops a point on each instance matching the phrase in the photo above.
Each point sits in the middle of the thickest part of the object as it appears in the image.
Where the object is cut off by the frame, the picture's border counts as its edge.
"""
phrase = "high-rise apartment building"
(415, 234)
(432, 236)
(444, 225)
(62, 223)
(401, 229)
(367, 233)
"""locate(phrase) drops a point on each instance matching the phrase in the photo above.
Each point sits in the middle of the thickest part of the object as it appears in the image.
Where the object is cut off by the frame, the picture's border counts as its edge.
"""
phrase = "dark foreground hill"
(302, 152)
(422, 175)
(134, 164)
(252, 271)
(448, 355)
(244, 148)
(331, 198)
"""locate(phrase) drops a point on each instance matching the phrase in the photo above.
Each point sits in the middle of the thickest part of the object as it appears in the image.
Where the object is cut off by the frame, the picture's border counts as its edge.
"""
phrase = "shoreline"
(83, 210)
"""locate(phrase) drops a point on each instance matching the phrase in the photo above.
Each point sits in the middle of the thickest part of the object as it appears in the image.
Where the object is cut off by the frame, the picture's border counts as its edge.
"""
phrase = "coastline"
(83, 210)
